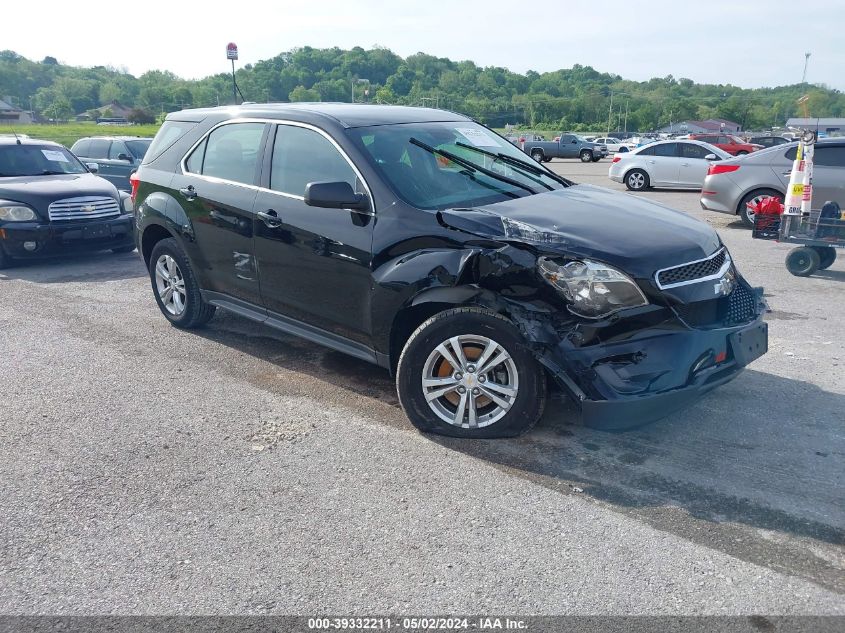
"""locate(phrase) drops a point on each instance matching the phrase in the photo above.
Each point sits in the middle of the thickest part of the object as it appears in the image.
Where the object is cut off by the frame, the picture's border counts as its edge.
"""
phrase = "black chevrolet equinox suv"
(422, 241)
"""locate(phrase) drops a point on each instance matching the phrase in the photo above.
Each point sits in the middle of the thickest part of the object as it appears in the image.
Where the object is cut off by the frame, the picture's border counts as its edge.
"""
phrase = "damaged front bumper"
(652, 372)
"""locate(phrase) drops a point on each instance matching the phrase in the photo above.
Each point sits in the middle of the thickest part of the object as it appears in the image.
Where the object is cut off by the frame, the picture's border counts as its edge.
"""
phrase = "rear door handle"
(270, 218)
(189, 192)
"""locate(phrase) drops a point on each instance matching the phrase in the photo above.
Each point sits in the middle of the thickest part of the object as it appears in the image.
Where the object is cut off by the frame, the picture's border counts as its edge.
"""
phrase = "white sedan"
(614, 144)
(675, 164)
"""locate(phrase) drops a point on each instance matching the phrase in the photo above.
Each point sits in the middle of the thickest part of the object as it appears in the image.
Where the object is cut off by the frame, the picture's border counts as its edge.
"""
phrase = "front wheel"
(586, 156)
(742, 153)
(596, 159)
(467, 372)
(802, 261)
(5, 260)
(175, 286)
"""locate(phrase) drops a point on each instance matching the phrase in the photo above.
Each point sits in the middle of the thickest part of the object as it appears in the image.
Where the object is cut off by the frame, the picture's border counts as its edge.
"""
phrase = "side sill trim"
(297, 328)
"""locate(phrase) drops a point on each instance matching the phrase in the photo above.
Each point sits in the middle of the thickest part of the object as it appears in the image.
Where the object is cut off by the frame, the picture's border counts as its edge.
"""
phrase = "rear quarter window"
(168, 134)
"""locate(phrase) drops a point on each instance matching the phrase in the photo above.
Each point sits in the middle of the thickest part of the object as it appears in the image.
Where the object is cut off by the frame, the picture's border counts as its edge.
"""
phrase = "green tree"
(301, 93)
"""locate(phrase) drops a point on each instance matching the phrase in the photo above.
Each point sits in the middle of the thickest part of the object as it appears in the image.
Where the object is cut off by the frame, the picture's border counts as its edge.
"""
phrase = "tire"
(596, 159)
(123, 249)
(586, 156)
(827, 255)
(742, 153)
(636, 180)
(472, 331)
(537, 155)
(802, 261)
(622, 150)
(746, 214)
(189, 311)
(5, 260)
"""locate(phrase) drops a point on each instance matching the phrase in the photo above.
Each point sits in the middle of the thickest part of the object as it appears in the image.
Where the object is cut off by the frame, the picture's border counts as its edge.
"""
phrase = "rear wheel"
(636, 180)
(175, 286)
(537, 155)
(467, 372)
(753, 198)
(827, 255)
(802, 261)
(586, 156)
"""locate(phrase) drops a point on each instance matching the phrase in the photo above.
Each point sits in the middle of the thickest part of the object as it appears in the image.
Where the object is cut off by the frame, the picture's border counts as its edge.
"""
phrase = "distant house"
(9, 114)
(825, 125)
(708, 126)
(113, 111)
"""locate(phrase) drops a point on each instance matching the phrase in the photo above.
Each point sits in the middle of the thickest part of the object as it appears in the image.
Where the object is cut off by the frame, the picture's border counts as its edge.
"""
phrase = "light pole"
(359, 81)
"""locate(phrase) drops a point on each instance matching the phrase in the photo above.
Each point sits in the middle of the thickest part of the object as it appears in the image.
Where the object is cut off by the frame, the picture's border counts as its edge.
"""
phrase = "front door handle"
(270, 218)
(189, 192)
(787, 173)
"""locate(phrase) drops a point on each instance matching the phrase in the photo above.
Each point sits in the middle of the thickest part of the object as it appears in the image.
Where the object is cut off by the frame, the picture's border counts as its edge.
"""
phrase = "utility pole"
(626, 117)
(806, 62)
(609, 113)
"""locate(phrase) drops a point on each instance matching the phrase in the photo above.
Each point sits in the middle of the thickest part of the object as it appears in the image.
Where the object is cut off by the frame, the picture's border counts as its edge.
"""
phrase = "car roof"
(11, 140)
(762, 154)
(348, 115)
(691, 141)
(117, 138)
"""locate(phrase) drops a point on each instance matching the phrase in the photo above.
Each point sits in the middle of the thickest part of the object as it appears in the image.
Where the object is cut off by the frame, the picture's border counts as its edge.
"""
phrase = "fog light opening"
(30, 246)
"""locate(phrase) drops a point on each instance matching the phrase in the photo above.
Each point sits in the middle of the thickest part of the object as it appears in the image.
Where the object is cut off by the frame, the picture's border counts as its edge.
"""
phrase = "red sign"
(231, 50)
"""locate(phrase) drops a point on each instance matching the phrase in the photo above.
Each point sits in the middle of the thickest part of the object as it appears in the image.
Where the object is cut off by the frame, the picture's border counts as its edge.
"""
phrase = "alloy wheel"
(170, 285)
(470, 381)
(636, 180)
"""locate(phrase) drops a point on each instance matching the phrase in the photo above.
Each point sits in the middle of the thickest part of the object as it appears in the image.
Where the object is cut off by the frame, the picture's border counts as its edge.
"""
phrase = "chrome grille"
(83, 208)
(692, 272)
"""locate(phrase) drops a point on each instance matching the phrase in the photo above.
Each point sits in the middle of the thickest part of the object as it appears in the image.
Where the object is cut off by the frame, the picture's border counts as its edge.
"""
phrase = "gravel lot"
(237, 470)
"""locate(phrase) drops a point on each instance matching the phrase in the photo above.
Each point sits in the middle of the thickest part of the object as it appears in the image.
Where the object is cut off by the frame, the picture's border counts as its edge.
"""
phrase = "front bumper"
(52, 239)
(654, 372)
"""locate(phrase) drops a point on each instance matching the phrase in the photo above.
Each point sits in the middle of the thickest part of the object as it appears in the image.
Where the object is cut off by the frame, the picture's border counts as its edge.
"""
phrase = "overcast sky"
(749, 43)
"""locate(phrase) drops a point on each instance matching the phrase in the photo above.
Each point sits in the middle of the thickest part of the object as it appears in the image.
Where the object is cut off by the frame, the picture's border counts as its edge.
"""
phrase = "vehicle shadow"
(87, 267)
(838, 275)
(763, 451)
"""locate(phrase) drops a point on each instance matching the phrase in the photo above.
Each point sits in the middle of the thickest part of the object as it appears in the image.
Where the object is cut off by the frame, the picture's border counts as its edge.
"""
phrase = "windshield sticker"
(55, 156)
(477, 137)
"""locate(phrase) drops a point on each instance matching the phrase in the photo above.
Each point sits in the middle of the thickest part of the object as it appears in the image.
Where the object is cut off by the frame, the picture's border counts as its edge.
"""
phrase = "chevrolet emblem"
(88, 208)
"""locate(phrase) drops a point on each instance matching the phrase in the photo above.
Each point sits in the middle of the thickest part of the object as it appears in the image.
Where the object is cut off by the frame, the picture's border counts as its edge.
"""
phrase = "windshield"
(38, 160)
(452, 164)
(139, 148)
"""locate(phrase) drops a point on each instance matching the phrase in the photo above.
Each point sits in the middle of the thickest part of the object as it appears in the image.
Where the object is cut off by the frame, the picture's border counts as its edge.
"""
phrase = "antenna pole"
(806, 62)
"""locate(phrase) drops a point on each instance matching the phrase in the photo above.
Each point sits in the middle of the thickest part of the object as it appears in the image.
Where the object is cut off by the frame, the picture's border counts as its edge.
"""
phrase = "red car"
(731, 144)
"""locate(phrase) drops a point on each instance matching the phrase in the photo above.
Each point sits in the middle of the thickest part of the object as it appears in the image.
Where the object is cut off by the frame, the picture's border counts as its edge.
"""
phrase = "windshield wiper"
(471, 165)
(512, 160)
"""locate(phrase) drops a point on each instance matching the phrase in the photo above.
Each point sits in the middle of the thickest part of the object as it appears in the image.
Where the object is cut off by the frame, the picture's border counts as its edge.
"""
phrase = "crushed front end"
(702, 325)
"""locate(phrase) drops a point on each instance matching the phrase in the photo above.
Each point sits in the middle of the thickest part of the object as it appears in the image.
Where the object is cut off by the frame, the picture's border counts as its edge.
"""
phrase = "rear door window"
(666, 150)
(231, 152)
(688, 150)
(99, 148)
(830, 156)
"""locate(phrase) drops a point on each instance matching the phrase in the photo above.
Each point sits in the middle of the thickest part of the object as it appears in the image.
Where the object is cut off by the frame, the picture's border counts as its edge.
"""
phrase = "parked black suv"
(51, 204)
(117, 157)
(422, 241)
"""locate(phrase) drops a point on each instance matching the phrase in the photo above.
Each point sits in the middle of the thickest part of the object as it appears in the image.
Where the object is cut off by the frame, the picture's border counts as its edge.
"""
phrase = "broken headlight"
(592, 289)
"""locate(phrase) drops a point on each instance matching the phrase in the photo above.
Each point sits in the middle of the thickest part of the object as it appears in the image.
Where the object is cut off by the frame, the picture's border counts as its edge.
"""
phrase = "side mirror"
(711, 157)
(335, 195)
(124, 157)
(92, 167)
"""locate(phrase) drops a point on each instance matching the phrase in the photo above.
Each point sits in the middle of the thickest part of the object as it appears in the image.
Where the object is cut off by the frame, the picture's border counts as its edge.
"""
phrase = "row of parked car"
(730, 184)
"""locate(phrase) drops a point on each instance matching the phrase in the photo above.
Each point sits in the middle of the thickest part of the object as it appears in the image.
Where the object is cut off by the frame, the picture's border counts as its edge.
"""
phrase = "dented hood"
(628, 232)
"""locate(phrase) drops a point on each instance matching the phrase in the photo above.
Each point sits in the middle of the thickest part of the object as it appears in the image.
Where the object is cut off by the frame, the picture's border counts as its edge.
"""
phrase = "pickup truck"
(569, 146)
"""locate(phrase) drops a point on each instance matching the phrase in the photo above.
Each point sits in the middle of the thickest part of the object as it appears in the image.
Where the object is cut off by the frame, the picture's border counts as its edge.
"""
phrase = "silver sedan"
(674, 164)
(734, 184)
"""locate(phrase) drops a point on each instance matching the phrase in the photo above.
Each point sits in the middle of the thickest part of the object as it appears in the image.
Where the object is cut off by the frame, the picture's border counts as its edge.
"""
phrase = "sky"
(747, 43)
